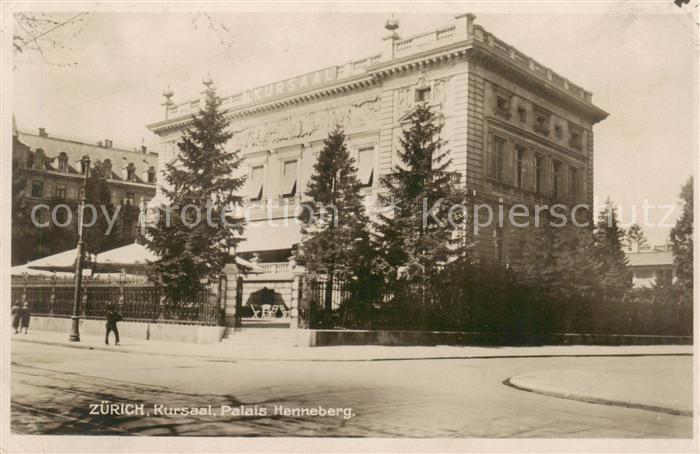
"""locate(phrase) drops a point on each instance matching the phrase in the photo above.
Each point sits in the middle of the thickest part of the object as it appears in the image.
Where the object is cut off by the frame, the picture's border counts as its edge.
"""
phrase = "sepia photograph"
(401, 226)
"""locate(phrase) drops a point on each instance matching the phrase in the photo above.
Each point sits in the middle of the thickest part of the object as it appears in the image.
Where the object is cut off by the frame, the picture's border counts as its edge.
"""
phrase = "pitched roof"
(654, 258)
(120, 158)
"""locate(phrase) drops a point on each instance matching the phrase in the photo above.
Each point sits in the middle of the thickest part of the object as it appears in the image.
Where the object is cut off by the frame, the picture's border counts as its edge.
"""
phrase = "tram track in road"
(50, 401)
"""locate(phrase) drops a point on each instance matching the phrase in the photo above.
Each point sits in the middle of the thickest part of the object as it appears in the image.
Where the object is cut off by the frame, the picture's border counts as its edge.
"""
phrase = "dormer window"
(83, 167)
(107, 167)
(38, 162)
(542, 121)
(576, 137)
(130, 172)
(63, 162)
(151, 175)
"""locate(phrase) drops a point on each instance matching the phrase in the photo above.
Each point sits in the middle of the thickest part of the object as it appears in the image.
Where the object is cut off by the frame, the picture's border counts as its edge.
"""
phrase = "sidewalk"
(229, 352)
(665, 387)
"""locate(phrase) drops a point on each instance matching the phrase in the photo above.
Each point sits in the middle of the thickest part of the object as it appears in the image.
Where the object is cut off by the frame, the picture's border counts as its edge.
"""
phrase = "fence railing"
(135, 300)
(325, 298)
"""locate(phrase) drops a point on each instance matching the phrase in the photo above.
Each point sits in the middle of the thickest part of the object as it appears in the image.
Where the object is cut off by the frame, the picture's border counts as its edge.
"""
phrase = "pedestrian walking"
(16, 317)
(111, 320)
(25, 316)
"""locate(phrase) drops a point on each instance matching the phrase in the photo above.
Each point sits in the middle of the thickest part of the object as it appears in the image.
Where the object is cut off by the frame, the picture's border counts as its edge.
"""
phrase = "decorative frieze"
(352, 116)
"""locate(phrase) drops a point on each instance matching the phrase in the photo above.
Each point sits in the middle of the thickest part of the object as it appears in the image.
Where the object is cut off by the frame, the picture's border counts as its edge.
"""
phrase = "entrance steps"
(256, 338)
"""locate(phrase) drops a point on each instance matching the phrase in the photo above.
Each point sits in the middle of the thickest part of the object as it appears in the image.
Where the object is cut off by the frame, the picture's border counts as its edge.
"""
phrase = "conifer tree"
(615, 277)
(335, 224)
(682, 243)
(635, 236)
(416, 236)
(195, 232)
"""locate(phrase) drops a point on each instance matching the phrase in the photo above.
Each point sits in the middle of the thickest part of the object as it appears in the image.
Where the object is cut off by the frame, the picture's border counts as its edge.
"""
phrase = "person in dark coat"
(111, 320)
(25, 316)
(16, 317)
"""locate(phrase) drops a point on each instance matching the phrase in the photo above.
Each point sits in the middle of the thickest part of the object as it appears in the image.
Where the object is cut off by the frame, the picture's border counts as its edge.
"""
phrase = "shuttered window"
(289, 178)
(520, 160)
(574, 183)
(557, 177)
(256, 183)
(365, 166)
(497, 158)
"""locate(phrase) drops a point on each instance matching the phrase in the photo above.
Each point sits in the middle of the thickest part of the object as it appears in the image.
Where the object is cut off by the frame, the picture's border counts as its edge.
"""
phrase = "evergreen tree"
(194, 233)
(23, 241)
(682, 244)
(557, 267)
(635, 236)
(416, 237)
(615, 277)
(335, 224)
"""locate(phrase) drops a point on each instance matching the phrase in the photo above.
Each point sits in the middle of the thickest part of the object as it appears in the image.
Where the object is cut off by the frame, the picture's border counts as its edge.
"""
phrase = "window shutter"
(508, 163)
(255, 185)
(289, 177)
(488, 161)
(365, 166)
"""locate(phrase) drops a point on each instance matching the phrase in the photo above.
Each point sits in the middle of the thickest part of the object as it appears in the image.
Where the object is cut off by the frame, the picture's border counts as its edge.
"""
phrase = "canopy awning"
(20, 270)
(62, 262)
(270, 235)
(132, 258)
(137, 256)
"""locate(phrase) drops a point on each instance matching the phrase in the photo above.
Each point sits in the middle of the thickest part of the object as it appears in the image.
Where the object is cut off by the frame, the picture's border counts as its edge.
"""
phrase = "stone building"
(516, 131)
(650, 266)
(54, 173)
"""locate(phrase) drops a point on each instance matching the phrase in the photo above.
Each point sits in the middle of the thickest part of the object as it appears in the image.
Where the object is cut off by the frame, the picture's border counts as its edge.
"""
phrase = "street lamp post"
(75, 318)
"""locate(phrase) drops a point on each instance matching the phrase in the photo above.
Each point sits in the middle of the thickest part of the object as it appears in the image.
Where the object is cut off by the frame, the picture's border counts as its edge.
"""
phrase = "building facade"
(54, 174)
(516, 131)
(650, 266)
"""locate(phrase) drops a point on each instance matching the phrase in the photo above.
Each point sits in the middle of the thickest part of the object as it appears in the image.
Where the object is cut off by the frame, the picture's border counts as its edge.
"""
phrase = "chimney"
(42, 132)
(144, 149)
(108, 143)
(99, 143)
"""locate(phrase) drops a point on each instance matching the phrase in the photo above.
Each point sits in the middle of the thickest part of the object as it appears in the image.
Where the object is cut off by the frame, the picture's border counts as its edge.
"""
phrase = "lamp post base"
(74, 332)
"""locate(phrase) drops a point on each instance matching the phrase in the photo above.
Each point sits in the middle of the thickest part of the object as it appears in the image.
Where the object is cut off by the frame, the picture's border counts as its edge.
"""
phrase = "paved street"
(53, 388)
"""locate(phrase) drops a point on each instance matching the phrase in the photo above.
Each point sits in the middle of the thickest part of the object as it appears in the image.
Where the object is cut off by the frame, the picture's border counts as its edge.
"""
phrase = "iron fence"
(327, 298)
(135, 299)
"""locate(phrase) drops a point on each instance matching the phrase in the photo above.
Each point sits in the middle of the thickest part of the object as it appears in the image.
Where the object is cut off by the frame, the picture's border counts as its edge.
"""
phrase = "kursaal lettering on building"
(285, 87)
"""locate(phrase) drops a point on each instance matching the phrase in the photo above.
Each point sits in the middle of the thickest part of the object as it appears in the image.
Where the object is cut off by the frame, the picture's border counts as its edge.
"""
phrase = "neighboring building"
(54, 173)
(515, 129)
(650, 265)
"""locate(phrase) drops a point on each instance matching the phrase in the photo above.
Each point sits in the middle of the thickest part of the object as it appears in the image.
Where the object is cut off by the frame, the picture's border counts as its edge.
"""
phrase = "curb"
(233, 360)
(599, 401)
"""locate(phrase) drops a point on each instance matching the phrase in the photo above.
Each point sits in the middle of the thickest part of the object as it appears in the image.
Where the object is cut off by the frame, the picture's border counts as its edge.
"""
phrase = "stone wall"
(136, 330)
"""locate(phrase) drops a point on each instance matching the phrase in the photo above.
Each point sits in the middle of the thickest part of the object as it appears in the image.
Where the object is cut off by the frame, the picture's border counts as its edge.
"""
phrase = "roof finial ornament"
(168, 103)
(392, 24)
(207, 80)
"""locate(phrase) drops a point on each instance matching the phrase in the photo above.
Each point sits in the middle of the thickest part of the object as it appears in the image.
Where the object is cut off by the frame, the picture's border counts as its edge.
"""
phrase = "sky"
(641, 69)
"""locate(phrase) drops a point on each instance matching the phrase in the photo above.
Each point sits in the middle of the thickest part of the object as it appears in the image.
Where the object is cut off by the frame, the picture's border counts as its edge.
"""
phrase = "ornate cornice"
(329, 91)
(486, 56)
(480, 47)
